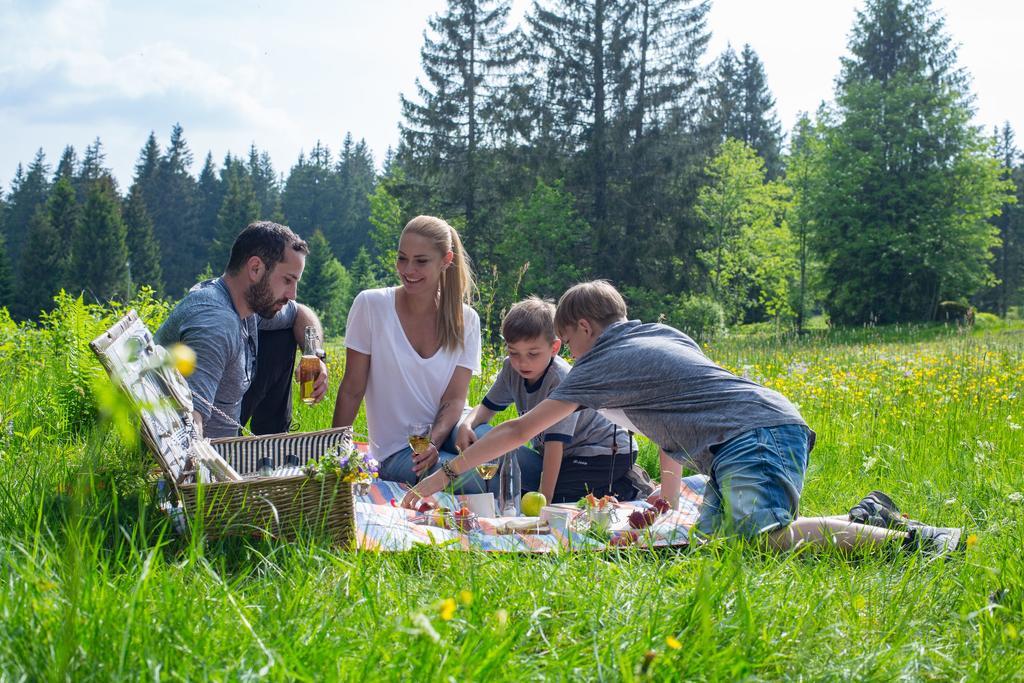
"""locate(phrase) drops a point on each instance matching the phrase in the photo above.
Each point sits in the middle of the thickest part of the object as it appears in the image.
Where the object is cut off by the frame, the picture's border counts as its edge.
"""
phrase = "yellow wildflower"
(673, 642)
(466, 598)
(183, 358)
(447, 608)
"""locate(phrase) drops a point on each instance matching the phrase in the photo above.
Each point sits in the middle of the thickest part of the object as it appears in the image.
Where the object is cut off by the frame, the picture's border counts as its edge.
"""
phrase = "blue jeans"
(755, 481)
(398, 467)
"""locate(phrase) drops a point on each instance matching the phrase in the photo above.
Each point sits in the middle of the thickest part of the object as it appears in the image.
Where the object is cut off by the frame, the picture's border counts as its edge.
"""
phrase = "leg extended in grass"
(834, 532)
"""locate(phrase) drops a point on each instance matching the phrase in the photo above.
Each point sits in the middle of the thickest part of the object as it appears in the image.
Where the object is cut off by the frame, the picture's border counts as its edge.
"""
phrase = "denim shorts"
(755, 481)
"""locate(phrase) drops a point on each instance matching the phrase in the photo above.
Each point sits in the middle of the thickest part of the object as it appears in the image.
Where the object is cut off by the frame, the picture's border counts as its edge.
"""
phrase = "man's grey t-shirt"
(655, 380)
(583, 434)
(225, 346)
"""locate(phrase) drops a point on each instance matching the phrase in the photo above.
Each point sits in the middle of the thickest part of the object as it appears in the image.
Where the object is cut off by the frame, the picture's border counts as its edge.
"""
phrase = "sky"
(283, 75)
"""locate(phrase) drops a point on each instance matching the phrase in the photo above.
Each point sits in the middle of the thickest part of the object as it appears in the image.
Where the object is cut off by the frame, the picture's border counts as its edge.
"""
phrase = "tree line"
(594, 139)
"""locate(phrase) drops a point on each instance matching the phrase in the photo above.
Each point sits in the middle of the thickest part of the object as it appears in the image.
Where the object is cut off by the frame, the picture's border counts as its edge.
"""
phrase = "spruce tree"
(310, 197)
(356, 181)
(100, 252)
(64, 213)
(6, 279)
(909, 184)
(363, 273)
(143, 251)
(240, 208)
(741, 106)
(183, 252)
(466, 55)
(40, 269)
(29, 191)
(326, 285)
(90, 170)
(209, 197)
(613, 85)
(68, 164)
(264, 184)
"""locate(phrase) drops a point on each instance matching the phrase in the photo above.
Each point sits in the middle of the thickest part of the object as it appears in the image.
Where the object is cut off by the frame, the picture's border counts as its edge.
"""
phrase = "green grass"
(94, 587)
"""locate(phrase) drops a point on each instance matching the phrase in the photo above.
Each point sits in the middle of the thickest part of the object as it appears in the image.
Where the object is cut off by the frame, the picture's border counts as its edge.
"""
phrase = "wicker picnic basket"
(215, 490)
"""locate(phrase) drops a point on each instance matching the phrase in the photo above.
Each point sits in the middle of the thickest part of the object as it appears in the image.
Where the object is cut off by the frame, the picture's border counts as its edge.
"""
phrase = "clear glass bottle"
(309, 365)
(510, 486)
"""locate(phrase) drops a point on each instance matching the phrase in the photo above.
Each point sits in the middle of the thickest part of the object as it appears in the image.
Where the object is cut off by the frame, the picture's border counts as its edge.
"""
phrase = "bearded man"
(227, 319)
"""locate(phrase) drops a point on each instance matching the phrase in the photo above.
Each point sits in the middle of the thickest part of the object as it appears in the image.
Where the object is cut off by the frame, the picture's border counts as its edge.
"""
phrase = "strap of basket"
(232, 421)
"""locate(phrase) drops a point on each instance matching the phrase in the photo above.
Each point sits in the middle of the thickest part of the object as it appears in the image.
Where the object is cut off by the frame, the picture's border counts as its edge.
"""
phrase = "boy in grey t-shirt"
(583, 452)
(750, 441)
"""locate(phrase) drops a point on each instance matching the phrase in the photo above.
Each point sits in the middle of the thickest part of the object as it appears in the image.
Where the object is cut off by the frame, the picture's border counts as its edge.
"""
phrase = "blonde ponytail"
(456, 279)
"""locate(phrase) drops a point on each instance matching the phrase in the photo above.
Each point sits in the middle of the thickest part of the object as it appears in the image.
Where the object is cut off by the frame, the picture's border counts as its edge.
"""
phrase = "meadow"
(94, 586)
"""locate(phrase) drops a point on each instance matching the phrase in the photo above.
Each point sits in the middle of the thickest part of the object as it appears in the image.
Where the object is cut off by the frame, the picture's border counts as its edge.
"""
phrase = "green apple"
(532, 503)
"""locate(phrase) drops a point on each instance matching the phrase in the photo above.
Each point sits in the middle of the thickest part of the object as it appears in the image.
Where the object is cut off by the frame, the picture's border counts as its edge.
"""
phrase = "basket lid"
(163, 398)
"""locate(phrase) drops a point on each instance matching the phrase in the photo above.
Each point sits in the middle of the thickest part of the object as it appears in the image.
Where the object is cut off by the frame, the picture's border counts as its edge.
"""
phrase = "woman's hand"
(466, 437)
(426, 488)
(422, 462)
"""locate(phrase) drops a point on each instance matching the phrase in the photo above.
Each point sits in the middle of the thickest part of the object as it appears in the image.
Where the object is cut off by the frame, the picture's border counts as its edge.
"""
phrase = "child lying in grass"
(750, 441)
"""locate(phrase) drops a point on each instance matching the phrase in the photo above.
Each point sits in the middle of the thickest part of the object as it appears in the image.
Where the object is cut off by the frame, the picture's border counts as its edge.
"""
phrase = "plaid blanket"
(381, 525)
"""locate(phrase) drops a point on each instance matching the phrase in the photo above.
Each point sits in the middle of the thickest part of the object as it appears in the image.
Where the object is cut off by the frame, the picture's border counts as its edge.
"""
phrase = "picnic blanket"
(382, 526)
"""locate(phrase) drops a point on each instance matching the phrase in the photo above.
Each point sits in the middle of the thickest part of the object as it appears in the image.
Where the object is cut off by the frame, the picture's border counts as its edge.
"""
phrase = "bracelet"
(446, 467)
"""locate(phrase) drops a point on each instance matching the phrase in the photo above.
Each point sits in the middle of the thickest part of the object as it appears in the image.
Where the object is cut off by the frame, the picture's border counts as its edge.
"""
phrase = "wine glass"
(419, 440)
(419, 437)
(487, 470)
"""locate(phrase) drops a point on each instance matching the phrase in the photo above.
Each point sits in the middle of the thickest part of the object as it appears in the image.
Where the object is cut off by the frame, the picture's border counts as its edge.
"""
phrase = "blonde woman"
(411, 351)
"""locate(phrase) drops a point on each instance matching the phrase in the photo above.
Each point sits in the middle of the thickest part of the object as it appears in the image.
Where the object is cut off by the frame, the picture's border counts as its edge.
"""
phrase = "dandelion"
(673, 642)
(466, 597)
(446, 609)
(972, 540)
(859, 603)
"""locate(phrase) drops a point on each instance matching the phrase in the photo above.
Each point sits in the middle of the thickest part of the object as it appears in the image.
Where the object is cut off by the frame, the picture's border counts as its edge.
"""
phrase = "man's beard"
(261, 299)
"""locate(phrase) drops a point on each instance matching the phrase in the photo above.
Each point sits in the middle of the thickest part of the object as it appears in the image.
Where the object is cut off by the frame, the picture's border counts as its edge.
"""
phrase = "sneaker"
(934, 541)
(641, 481)
(877, 509)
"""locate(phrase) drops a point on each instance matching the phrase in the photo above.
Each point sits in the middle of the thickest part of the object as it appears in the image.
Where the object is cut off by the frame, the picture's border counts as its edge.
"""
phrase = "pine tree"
(29, 191)
(326, 285)
(143, 251)
(466, 55)
(240, 208)
(209, 197)
(356, 181)
(40, 268)
(90, 170)
(310, 197)
(67, 165)
(909, 184)
(364, 274)
(264, 184)
(172, 206)
(6, 279)
(64, 213)
(614, 83)
(100, 252)
(740, 106)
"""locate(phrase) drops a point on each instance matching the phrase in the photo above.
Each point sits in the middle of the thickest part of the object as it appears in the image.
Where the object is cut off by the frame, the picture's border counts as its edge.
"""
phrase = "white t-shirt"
(403, 388)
